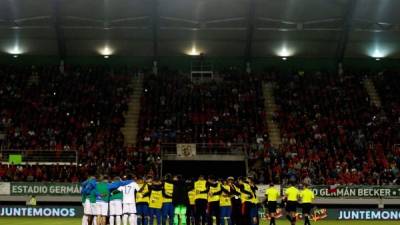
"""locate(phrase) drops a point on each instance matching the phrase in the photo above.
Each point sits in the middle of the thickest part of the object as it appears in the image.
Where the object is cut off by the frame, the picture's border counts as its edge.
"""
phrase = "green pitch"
(76, 221)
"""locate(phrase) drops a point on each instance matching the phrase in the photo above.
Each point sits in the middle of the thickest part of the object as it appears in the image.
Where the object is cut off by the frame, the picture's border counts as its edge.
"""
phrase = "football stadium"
(199, 112)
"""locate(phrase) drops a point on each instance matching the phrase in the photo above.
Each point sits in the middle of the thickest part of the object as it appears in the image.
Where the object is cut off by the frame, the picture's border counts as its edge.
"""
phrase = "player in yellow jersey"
(307, 198)
(291, 198)
(167, 208)
(200, 186)
(246, 195)
(142, 201)
(225, 204)
(156, 201)
(271, 198)
(254, 201)
(214, 188)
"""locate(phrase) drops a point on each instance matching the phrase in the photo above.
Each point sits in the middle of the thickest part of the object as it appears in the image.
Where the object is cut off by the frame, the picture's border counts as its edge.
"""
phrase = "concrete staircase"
(130, 130)
(270, 108)
(373, 94)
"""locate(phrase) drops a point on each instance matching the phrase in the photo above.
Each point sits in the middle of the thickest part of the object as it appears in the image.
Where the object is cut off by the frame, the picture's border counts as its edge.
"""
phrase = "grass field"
(76, 221)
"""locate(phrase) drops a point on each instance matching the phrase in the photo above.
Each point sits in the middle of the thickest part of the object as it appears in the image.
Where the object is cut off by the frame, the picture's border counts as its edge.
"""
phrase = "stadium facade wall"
(321, 191)
(183, 63)
(318, 213)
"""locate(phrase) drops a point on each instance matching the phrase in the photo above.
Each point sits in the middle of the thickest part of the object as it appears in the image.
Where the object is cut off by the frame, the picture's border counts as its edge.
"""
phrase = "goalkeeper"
(180, 200)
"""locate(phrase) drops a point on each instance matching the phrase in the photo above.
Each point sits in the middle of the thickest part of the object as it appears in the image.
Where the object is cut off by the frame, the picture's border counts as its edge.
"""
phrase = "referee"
(271, 197)
(291, 197)
(307, 197)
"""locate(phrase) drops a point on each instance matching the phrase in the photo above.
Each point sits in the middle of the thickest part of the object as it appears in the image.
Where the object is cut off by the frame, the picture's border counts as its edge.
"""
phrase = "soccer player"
(192, 201)
(156, 200)
(129, 201)
(87, 187)
(167, 207)
(103, 190)
(225, 203)
(236, 201)
(93, 205)
(271, 197)
(116, 205)
(214, 193)
(254, 202)
(246, 196)
(102, 199)
(291, 198)
(142, 201)
(307, 197)
(180, 200)
(200, 186)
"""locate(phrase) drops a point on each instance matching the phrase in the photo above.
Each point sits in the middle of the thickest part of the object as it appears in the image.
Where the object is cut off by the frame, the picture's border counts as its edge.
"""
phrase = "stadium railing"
(203, 149)
(39, 157)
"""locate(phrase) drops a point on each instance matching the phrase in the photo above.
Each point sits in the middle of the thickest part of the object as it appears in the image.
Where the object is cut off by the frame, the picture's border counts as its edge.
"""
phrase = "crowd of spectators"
(80, 109)
(388, 88)
(331, 133)
(220, 112)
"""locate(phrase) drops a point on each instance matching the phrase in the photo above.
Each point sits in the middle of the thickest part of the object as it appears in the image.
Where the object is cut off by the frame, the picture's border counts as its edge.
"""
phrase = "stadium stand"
(331, 133)
(81, 109)
(222, 112)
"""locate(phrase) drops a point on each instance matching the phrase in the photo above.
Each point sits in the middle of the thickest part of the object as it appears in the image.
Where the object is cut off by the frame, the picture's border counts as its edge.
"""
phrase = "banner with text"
(73, 189)
(343, 214)
(357, 191)
(17, 188)
(39, 211)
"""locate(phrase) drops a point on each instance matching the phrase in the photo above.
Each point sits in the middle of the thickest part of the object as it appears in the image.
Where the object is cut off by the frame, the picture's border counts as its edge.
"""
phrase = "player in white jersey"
(116, 205)
(129, 202)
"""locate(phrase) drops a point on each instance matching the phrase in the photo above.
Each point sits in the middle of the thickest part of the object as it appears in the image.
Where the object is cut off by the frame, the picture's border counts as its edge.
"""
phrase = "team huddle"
(138, 201)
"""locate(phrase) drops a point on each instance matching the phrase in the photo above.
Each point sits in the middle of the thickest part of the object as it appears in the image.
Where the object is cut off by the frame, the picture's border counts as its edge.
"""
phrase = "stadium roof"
(249, 28)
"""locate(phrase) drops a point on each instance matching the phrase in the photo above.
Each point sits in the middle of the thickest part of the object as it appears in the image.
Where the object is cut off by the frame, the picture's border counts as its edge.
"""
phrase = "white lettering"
(47, 212)
(385, 215)
(375, 215)
(37, 211)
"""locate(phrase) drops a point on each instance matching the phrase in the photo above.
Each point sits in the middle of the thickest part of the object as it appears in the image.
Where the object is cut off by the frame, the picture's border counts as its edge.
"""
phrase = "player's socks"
(118, 220)
(94, 220)
(183, 219)
(272, 222)
(84, 220)
(125, 219)
(133, 219)
(294, 220)
(146, 220)
(306, 221)
(112, 218)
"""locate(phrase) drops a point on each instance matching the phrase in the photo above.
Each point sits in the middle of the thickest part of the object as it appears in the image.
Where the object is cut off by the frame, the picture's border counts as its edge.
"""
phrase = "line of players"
(290, 202)
(203, 201)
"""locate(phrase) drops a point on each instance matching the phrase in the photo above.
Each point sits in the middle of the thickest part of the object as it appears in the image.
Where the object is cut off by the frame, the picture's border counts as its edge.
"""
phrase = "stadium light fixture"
(15, 56)
(193, 52)
(284, 51)
(378, 52)
(106, 51)
(106, 56)
(284, 58)
(15, 50)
